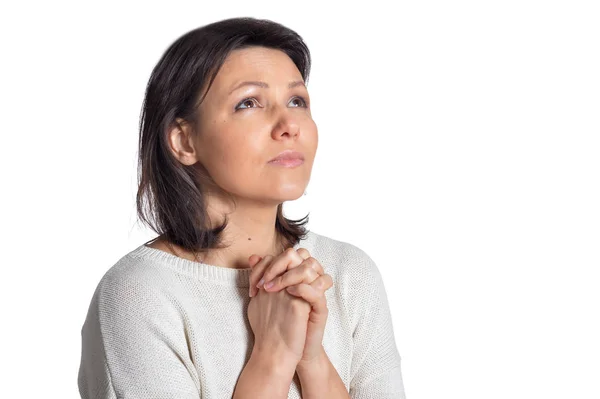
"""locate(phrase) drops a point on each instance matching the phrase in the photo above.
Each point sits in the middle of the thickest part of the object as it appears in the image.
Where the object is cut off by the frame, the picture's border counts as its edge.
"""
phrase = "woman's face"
(243, 126)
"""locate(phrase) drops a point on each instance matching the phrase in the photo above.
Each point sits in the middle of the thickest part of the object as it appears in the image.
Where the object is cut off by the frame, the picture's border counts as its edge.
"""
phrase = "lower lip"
(288, 163)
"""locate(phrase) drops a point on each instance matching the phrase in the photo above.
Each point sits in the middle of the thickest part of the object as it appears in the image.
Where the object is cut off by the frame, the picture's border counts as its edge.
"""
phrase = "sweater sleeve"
(134, 344)
(375, 367)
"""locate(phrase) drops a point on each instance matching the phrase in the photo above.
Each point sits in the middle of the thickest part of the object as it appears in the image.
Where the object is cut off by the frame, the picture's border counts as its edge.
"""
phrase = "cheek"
(241, 151)
(235, 160)
(228, 144)
(312, 136)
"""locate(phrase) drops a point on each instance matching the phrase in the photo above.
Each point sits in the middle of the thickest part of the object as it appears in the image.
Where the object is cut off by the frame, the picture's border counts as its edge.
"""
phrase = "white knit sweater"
(163, 327)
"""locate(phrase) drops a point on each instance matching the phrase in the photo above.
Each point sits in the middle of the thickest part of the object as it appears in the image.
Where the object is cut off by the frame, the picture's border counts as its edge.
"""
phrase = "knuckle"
(307, 271)
(323, 283)
(303, 252)
(314, 264)
(310, 261)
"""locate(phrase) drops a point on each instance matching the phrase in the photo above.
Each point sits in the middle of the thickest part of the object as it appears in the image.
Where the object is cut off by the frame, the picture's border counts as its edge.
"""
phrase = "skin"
(234, 146)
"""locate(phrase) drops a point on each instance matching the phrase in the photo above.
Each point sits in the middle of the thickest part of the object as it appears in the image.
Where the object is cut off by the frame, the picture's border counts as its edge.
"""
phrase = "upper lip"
(288, 154)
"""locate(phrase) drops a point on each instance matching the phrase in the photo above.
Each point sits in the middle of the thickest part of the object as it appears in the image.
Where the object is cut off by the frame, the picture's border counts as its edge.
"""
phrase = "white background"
(459, 146)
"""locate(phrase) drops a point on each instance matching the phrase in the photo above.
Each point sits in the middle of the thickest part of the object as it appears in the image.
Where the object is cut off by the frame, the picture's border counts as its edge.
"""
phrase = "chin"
(290, 194)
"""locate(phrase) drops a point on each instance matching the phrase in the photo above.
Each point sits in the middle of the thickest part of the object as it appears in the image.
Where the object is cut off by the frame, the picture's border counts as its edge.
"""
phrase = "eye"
(245, 101)
(303, 101)
(251, 100)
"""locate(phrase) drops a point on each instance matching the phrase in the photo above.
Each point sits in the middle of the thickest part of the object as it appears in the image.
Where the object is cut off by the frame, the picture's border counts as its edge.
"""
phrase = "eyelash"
(252, 98)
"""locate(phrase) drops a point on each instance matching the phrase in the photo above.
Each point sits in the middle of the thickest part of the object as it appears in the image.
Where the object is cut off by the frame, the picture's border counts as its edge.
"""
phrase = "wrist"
(320, 379)
(319, 364)
(262, 377)
(275, 363)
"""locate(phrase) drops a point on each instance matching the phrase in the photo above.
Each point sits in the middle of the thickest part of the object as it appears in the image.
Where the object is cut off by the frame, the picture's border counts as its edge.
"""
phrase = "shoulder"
(351, 268)
(128, 269)
(342, 255)
(133, 281)
(357, 280)
(132, 295)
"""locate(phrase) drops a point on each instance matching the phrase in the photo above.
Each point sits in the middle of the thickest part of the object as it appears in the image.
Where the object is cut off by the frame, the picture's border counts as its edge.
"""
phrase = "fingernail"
(260, 283)
(269, 284)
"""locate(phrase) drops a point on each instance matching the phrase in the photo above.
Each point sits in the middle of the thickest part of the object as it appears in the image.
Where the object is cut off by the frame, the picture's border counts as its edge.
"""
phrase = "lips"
(288, 155)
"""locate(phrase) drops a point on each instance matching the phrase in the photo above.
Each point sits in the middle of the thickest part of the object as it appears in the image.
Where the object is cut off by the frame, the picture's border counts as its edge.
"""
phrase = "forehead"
(257, 63)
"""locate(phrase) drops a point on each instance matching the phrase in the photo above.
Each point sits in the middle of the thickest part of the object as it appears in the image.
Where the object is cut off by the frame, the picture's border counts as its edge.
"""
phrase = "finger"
(297, 275)
(303, 252)
(257, 271)
(307, 272)
(288, 259)
(253, 260)
(315, 265)
(314, 293)
(322, 283)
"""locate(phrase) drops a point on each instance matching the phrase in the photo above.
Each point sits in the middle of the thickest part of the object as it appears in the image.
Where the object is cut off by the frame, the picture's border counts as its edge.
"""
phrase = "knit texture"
(161, 327)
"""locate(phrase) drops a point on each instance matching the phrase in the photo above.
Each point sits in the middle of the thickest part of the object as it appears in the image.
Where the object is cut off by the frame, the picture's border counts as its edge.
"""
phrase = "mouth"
(288, 163)
(288, 155)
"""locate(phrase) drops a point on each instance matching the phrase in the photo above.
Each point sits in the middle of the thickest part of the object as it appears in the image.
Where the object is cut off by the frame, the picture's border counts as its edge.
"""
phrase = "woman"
(226, 136)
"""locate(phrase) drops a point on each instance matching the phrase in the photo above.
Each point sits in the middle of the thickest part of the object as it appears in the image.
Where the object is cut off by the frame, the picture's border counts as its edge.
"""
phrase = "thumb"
(253, 260)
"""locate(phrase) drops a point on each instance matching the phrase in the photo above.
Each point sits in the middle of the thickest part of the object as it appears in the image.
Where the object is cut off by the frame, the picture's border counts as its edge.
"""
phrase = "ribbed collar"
(206, 272)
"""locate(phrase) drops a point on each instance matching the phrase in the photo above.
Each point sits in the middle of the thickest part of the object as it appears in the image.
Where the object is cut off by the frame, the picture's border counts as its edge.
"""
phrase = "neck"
(250, 230)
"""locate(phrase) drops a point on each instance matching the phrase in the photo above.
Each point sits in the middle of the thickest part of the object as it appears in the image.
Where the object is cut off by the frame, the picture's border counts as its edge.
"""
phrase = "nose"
(285, 126)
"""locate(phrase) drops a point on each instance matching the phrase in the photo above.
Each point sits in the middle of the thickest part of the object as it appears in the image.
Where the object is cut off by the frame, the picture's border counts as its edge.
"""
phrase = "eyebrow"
(291, 85)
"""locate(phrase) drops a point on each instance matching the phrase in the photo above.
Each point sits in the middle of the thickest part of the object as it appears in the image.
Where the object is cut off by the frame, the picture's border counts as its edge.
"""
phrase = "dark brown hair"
(170, 196)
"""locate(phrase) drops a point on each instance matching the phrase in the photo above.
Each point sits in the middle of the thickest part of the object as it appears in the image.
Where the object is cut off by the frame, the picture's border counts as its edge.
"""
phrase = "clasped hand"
(302, 276)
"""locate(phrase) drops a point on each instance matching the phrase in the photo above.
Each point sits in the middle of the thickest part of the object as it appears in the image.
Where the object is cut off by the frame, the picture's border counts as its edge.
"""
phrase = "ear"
(181, 142)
